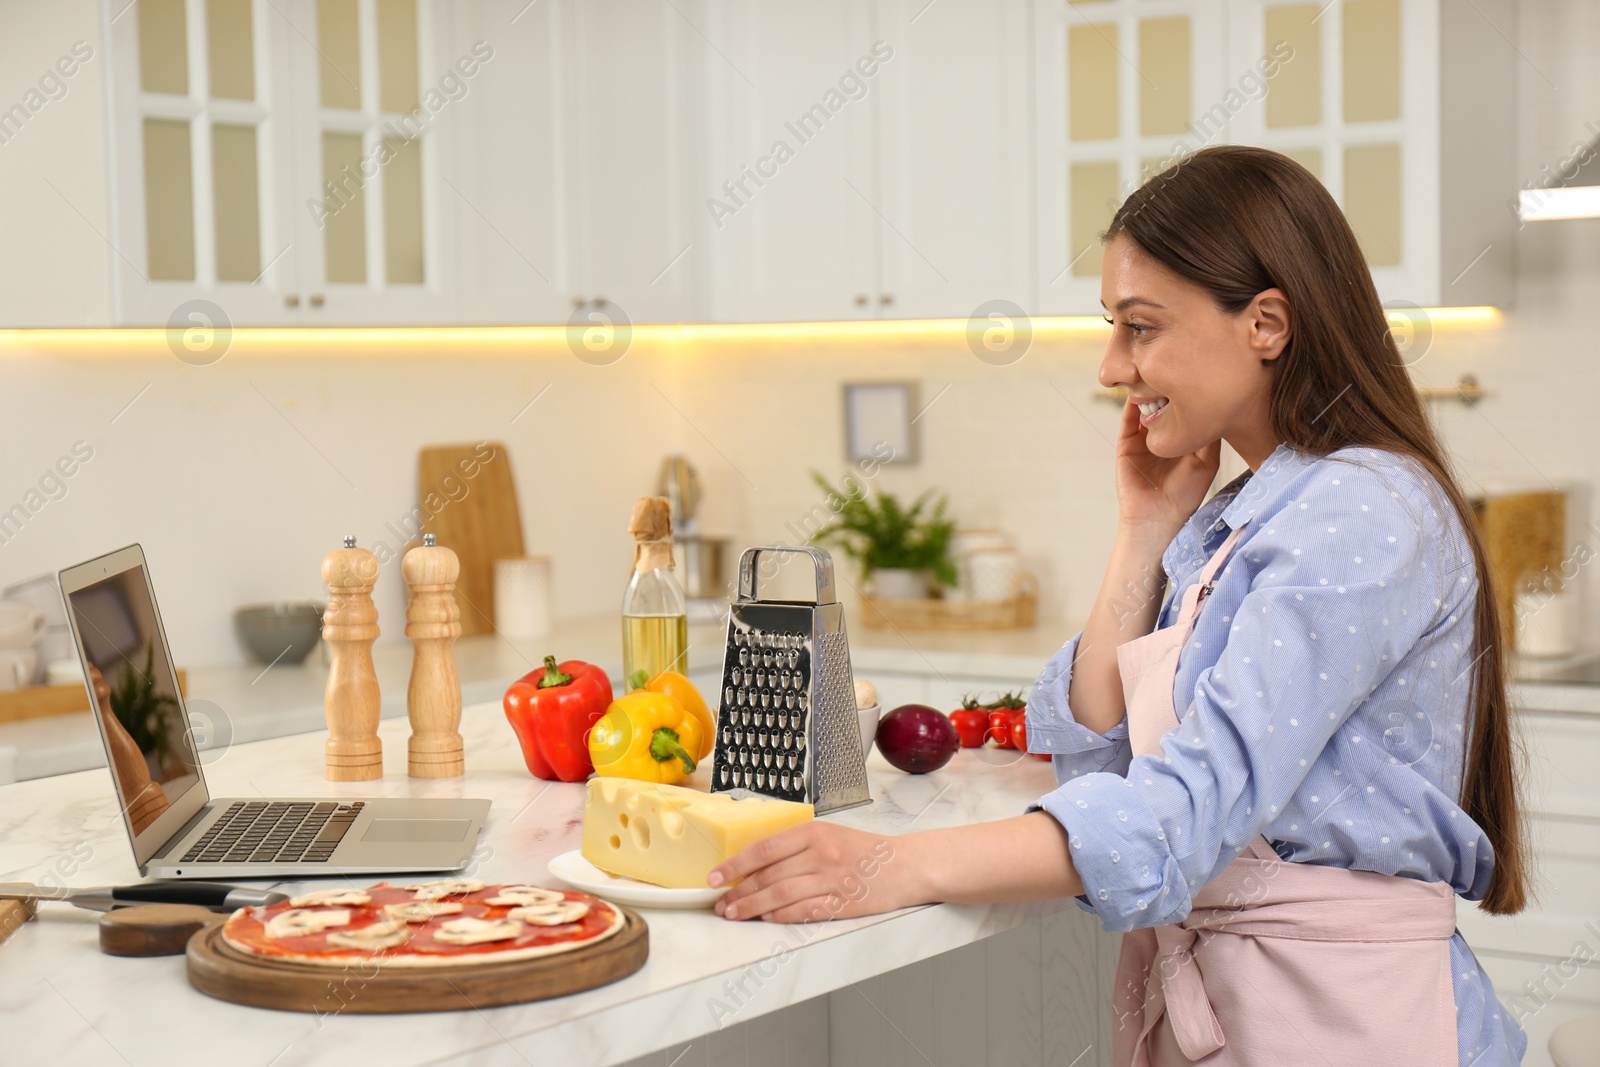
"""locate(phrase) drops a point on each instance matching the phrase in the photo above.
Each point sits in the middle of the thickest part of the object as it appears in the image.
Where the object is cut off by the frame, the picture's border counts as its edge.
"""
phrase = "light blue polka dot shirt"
(1322, 701)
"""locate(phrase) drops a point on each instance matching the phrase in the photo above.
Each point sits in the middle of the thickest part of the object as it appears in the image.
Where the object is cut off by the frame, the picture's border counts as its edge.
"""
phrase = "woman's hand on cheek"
(1158, 490)
(817, 871)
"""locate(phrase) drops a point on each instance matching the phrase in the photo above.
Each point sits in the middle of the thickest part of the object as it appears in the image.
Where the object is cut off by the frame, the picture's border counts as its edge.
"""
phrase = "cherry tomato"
(1019, 737)
(1000, 722)
(972, 726)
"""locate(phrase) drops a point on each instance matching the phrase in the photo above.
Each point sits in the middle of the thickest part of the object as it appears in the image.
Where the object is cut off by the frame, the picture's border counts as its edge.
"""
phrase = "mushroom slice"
(518, 895)
(471, 931)
(331, 896)
(552, 914)
(445, 887)
(420, 911)
(384, 934)
(298, 922)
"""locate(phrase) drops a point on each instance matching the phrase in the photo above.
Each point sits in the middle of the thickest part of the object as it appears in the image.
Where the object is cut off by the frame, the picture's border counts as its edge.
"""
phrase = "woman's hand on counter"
(817, 871)
(825, 871)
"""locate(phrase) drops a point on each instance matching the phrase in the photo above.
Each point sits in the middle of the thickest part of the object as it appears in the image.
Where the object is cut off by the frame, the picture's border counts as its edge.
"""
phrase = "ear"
(1269, 323)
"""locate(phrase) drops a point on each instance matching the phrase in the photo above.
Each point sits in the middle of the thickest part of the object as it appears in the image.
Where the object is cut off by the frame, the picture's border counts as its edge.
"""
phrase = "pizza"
(443, 923)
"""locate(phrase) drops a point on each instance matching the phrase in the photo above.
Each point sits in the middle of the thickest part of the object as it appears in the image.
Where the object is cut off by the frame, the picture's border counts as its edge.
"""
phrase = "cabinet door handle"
(292, 300)
(861, 300)
(886, 298)
(317, 300)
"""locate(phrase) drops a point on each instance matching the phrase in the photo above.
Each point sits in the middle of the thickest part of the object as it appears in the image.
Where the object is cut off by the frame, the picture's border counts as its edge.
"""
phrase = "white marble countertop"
(68, 1003)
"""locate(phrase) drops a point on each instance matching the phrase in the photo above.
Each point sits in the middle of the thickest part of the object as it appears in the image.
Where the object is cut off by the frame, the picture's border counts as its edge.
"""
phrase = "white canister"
(1544, 624)
(522, 596)
(963, 547)
(18, 666)
(63, 672)
(21, 624)
(993, 574)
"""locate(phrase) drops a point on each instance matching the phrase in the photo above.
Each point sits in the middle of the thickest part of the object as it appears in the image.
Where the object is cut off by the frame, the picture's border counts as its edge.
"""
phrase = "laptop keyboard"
(283, 832)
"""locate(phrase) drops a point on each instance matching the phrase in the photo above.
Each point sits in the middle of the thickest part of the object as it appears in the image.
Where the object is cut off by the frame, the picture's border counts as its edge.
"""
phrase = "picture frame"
(878, 414)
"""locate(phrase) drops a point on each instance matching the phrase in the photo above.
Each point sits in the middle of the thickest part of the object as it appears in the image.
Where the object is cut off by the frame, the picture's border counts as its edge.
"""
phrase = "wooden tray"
(39, 701)
(1018, 613)
(219, 970)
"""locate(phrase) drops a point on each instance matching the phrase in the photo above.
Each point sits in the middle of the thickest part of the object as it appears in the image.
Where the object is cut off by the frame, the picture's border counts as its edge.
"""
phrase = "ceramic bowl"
(869, 727)
(283, 632)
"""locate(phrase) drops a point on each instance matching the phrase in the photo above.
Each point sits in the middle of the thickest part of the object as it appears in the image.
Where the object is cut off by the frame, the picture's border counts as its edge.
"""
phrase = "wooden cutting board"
(13, 913)
(469, 502)
(219, 970)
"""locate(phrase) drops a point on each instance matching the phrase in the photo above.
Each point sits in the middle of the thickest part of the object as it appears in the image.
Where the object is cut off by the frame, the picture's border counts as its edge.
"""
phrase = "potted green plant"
(901, 549)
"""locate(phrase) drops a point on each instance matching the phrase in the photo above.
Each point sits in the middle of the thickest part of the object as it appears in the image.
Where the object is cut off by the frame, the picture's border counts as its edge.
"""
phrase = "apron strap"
(1193, 596)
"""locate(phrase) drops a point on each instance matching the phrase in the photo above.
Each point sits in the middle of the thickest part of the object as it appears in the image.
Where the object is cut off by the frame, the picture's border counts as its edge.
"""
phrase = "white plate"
(579, 873)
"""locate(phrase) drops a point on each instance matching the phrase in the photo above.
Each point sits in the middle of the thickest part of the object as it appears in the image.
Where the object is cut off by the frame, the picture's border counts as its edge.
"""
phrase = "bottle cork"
(651, 527)
(353, 752)
(433, 622)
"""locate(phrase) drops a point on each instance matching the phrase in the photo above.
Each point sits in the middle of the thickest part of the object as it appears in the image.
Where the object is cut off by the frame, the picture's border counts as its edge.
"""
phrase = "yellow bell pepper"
(646, 736)
(683, 691)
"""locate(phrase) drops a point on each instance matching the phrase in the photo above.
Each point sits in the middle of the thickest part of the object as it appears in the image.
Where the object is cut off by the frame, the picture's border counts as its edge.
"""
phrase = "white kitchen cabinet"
(1406, 110)
(275, 162)
(1541, 961)
(512, 247)
(792, 190)
(637, 149)
(201, 168)
(871, 160)
(713, 160)
(580, 162)
(1117, 83)
(955, 155)
(373, 92)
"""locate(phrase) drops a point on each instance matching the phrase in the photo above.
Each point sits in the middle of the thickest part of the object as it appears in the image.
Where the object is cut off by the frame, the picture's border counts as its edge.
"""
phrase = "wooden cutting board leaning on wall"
(1524, 539)
(469, 502)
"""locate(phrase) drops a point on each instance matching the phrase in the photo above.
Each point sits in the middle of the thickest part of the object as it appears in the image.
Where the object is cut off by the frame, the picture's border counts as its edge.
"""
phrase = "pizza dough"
(415, 926)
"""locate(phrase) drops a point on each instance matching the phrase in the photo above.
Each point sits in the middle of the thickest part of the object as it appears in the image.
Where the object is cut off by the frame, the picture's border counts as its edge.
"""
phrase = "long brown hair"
(1236, 220)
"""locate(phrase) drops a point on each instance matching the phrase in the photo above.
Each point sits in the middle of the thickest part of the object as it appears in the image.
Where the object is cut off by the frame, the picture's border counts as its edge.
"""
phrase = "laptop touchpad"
(417, 830)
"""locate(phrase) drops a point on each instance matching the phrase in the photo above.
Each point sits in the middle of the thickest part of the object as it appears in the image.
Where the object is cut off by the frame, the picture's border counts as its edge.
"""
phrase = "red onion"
(917, 739)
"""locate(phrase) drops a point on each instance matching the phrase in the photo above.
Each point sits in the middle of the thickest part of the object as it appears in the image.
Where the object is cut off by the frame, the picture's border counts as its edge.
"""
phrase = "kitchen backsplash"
(237, 477)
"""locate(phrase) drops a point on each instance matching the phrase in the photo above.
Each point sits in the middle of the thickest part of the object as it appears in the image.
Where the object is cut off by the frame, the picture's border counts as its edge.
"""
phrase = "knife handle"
(205, 894)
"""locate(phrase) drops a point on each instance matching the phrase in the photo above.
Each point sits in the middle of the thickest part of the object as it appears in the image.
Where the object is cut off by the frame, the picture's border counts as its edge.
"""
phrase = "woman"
(1294, 801)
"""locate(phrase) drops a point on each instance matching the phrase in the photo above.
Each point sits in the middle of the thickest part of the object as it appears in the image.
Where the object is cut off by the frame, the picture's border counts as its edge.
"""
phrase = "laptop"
(178, 829)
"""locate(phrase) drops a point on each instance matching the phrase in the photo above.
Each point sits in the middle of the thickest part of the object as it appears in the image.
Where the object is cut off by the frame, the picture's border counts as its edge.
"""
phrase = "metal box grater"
(788, 726)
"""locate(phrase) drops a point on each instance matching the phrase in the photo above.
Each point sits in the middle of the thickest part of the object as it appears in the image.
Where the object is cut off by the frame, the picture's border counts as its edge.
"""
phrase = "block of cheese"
(671, 835)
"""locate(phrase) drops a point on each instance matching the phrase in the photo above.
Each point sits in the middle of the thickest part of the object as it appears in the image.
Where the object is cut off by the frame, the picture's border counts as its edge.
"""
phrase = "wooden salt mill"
(433, 622)
(350, 625)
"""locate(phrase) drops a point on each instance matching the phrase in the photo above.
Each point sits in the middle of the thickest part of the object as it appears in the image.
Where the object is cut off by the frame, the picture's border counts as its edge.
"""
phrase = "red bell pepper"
(972, 726)
(552, 709)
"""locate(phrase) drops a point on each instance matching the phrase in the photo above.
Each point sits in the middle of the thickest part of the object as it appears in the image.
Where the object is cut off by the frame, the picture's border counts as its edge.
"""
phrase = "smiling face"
(1170, 342)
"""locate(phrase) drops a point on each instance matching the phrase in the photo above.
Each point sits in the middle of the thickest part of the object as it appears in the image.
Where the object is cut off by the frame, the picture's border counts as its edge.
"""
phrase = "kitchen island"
(712, 992)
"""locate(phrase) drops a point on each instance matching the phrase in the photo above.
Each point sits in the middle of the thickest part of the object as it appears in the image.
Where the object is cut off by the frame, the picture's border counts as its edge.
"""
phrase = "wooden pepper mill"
(352, 704)
(433, 622)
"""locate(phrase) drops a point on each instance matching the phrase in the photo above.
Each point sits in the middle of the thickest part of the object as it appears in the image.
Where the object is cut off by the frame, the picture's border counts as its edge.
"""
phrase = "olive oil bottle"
(655, 614)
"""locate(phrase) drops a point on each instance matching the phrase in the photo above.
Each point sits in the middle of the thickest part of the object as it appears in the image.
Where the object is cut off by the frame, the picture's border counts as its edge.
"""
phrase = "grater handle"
(826, 593)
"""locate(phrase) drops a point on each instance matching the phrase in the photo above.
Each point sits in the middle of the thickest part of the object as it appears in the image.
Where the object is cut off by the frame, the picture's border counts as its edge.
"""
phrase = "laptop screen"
(148, 743)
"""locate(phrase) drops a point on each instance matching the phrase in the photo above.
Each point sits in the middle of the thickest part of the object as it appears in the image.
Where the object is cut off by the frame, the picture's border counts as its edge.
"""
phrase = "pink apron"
(1278, 962)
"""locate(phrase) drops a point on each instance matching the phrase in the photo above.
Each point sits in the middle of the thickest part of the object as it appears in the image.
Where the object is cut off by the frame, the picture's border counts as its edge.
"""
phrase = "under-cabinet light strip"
(381, 340)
